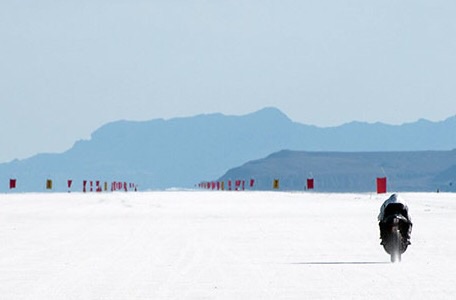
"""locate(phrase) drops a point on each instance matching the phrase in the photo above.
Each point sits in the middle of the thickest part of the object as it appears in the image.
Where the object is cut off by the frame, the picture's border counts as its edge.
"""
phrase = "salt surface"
(220, 245)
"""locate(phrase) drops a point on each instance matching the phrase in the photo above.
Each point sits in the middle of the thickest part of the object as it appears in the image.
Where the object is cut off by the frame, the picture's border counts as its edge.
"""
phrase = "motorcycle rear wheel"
(396, 242)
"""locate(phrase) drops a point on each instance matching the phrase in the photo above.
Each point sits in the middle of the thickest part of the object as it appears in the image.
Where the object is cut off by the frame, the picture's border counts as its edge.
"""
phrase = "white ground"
(220, 245)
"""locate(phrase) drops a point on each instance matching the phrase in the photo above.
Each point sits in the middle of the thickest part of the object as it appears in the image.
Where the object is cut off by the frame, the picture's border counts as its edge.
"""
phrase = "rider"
(394, 205)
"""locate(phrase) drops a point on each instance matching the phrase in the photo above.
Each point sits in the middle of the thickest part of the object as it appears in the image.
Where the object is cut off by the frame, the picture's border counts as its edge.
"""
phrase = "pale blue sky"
(69, 66)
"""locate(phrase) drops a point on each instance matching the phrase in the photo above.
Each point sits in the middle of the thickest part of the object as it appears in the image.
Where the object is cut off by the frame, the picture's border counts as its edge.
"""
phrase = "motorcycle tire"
(396, 244)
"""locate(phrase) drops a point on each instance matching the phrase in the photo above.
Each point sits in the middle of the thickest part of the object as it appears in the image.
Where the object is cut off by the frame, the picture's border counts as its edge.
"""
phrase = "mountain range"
(418, 171)
(180, 152)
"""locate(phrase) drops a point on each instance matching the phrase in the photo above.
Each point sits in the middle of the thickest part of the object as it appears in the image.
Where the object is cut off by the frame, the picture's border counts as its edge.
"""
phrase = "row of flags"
(236, 185)
(89, 185)
(310, 184)
(231, 185)
(240, 185)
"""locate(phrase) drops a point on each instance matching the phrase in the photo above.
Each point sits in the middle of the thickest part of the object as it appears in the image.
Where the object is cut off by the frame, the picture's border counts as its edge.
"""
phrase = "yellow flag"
(275, 184)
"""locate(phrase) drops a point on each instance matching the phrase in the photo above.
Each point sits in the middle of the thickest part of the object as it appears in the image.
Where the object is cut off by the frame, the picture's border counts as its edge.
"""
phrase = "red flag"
(84, 184)
(12, 184)
(69, 183)
(252, 182)
(238, 184)
(381, 185)
(310, 183)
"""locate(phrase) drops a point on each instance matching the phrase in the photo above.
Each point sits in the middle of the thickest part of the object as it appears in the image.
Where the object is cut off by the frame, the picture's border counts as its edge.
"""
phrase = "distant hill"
(181, 152)
(352, 171)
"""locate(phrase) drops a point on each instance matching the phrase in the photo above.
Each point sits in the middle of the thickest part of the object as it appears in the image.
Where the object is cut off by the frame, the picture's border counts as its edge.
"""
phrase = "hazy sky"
(70, 66)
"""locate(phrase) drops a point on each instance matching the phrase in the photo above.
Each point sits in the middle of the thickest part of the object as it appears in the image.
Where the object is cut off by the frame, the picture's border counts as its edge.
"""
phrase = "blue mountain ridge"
(180, 152)
(418, 171)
